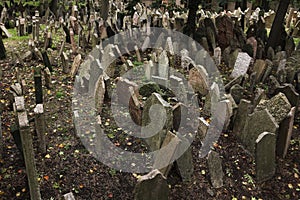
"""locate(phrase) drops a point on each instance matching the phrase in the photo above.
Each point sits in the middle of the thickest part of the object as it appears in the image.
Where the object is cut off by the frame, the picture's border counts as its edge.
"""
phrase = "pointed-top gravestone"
(241, 65)
(163, 65)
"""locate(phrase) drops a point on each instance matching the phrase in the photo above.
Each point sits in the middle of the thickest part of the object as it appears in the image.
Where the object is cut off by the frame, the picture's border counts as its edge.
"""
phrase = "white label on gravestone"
(241, 65)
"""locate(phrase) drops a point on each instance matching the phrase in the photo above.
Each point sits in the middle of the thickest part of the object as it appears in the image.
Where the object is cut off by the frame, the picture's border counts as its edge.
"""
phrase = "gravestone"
(290, 93)
(257, 123)
(278, 106)
(99, 93)
(123, 93)
(198, 79)
(285, 133)
(75, 65)
(185, 161)
(216, 173)
(157, 119)
(241, 65)
(265, 156)
(28, 151)
(240, 118)
(164, 157)
(65, 63)
(152, 186)
(217, 55)
(69, 196)
(40, 127)
(271, 54)
(252, 41)
(260, 68)
(47, 75)
(234, 81)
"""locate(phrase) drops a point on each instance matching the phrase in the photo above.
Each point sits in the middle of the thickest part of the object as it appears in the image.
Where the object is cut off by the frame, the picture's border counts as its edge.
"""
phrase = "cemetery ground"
(68, 167)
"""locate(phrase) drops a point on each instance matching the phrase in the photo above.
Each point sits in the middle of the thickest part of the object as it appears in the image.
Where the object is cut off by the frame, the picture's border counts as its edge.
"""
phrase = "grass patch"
(15, 36)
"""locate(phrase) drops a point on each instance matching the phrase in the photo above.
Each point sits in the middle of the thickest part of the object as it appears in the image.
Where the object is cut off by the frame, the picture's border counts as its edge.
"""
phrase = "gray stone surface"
(240, 118)
(215, 169)
(241, 65)
(265, 156)
(260, 68)
(198, 79)
(237, 93)
(278, 106)
(285, 133)
(257, 123)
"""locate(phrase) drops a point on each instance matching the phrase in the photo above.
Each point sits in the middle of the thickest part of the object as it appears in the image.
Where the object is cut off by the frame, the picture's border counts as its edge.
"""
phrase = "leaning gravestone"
(259, 67)
(198, 78)
(244, 109)
(215, 169)
(285, 133)
(278, 106)
(257, 123)
(152, 186)
(265, 156)
(157, 119)
(241, 65)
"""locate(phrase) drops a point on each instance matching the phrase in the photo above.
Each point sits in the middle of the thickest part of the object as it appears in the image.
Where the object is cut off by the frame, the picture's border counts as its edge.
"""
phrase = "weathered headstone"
(164, 157)
(237, 92)
(265, 156)
(75, 65)
(198, 79)
(38, 85)
(285, 133)
(244, 109)
(163, 65)
(27, 145)
(241, 65)
(257, 123)
(151, 186)
(278, 106)
(157, 120)
(259, 67)
(216, 173)
(202, 129)
(40, 127)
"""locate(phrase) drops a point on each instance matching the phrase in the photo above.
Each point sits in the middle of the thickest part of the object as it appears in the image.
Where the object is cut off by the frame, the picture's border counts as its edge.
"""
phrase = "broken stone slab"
(285, 133)
(19, 104)
(151, 186)
(265, 156)
(216, 173)
(241, 65)
(17, 88)
(257, 123)
(278, 106)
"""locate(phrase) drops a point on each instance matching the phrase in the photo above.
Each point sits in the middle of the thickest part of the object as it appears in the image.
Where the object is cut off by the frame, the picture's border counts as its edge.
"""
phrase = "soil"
(69, 167)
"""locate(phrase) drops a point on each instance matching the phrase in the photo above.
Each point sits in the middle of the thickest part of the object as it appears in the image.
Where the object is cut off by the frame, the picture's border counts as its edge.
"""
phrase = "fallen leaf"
(290, 186)
(47, 156)
(46, 178)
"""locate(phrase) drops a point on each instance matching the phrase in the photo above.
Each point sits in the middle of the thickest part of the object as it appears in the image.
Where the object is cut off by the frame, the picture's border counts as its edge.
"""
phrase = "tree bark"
(104, 9)
(191, 21)
(276, 29)
(54, 7)
(2, 48)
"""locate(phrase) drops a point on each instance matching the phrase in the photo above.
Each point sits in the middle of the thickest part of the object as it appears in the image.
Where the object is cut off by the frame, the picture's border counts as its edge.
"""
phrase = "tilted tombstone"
(257, 123)
(241, 66)
(265, 146)
(216, 173)
(285, 133)
(157, 119)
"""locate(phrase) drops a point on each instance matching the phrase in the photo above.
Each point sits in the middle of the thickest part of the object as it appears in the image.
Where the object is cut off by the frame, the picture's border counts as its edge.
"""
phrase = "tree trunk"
(54, 7)
(191, 21)
(276, 29)
(104, 9)
(2, 48)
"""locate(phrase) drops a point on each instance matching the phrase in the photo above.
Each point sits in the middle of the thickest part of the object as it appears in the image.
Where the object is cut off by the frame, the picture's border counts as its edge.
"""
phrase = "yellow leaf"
(49, 92)
(1, 192)
(290, 186)
(24, 190)
(18, 194)
(47, 156)
(61, 146)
